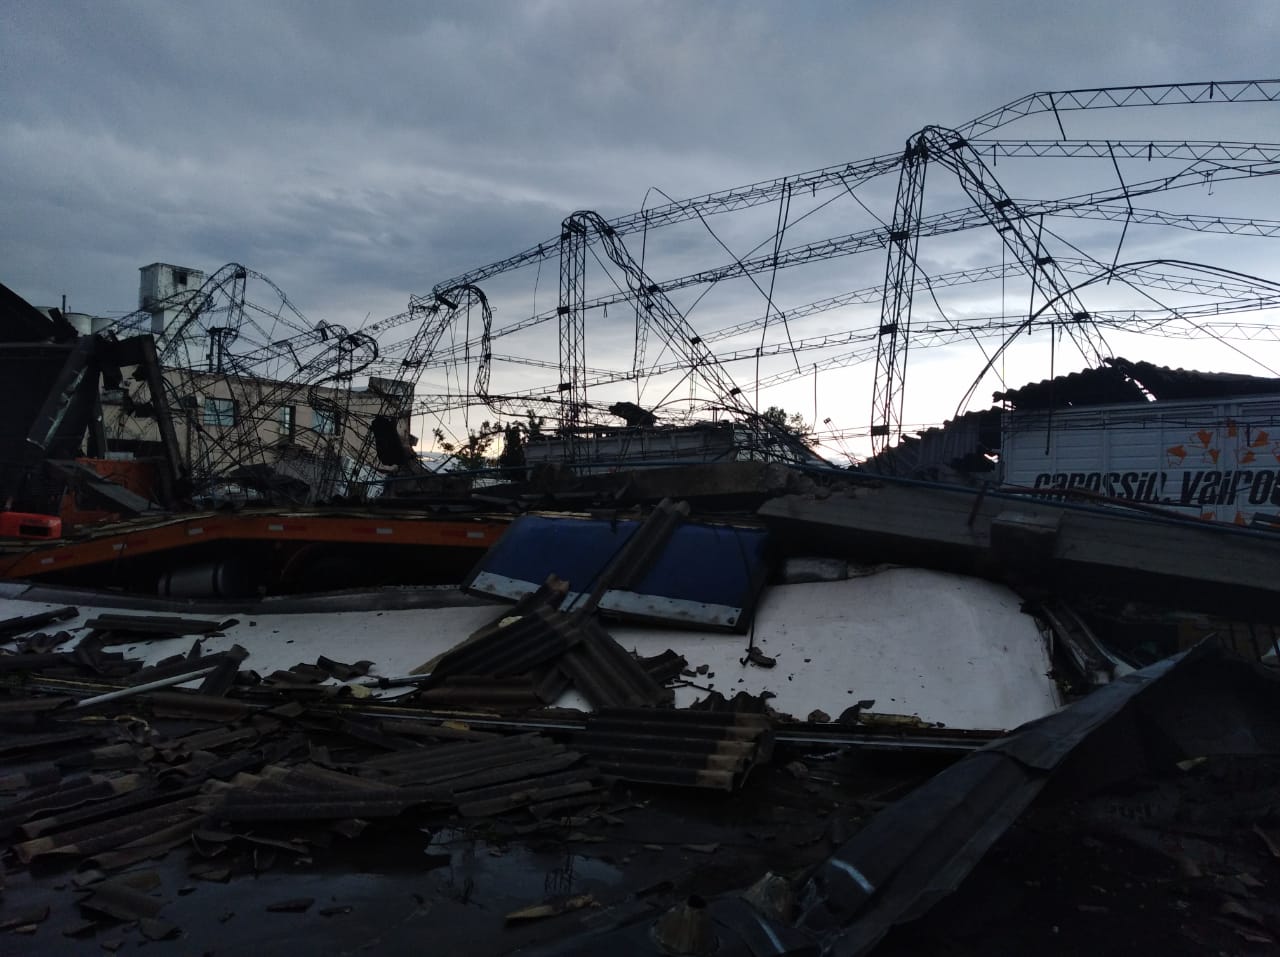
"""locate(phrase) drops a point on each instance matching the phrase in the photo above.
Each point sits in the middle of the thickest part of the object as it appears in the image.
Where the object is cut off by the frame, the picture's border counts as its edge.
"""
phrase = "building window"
(288, 419)
(219, 412)
(325, 422)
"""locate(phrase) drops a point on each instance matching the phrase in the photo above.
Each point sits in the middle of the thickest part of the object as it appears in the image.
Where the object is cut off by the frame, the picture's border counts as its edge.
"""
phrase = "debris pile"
(674, 704)
(243, 773)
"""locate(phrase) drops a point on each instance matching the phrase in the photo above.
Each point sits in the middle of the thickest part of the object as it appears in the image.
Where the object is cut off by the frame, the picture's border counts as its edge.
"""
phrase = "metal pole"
(149, 686)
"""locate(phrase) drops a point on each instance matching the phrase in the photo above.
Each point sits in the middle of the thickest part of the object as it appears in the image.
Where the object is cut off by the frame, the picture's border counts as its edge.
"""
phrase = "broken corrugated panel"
(145, 797)
(478, 693)
(107, 835)
(187, 664)
(705, 575)
(510, 648)
(31, 706)
(664, 667)
(85, 657)
(449, 758)
(491, 777)
(198, 705)
(17, 744)
(25, 623)
(569, 789)
(438, 732)
(609, 676)
(41, 642)
(694, 749)
(1077, 639)
(528, 768)
(156, 624)
(467, 765)
(118, 899)
(322, 804)
(69, 794)
(480, 778)
(919, 849)
(638, 555)
(528, 660)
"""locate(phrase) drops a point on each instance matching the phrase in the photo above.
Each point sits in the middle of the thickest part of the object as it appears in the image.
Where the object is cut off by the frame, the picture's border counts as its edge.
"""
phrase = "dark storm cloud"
(360, 152)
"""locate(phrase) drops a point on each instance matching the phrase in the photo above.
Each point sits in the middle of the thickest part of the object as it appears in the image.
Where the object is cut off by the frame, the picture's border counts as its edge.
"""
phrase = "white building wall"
(1217, 460)
(163, 290)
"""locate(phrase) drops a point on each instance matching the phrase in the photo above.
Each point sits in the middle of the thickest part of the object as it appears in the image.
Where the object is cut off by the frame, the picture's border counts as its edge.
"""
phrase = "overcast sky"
(358, 153)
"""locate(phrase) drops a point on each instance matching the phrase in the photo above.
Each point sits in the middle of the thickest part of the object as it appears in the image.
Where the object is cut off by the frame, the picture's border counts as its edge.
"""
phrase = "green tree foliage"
(789, 422)
(473, 453)
(478, 451)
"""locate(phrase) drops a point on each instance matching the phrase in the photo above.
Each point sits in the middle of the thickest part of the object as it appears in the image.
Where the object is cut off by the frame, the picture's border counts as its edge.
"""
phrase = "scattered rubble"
(736, 707)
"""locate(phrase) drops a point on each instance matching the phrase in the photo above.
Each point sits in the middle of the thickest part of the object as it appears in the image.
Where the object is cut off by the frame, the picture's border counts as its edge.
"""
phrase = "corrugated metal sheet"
(155, 624)
(511, 648)
(664, 667)
(1102, 386)
(470, 765)
(540, 794)
(956, 450)
(481, 693)
(689, 748)
(47, 393)
(1166, 383)
(1123, 380)
(530, 661)
(26, 623)
(923, 846)
(608, 675)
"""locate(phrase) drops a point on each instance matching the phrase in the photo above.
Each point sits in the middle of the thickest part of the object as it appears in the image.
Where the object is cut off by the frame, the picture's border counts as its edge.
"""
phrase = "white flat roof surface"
(954, 650)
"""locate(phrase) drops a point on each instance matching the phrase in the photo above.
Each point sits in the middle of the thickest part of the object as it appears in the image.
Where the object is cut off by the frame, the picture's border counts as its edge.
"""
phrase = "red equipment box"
(29, 525)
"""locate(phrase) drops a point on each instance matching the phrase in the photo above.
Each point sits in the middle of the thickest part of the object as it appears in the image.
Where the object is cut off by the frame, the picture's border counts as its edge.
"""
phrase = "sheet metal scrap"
(693, 749)
(25, 623)
(491, 777)
(513, 645)
(511, 663)
(608, 675)
(514, 693)
(184, 664)
(87, 658)
(1078, 641)
(477, 778)
(39, 809)
(125, 784)
(138, 827)
(141, 791)
(922, 847)
(323, 804)
(529, 656)
(665, 667)
(131, 626)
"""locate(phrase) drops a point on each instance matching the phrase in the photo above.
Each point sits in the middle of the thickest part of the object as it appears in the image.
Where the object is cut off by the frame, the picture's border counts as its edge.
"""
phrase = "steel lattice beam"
(1214, 151)
(860, 171)
(1111, 97)
(1151, 278)
(938, 224)
(899, 284)
(845, 175)
(572, 313)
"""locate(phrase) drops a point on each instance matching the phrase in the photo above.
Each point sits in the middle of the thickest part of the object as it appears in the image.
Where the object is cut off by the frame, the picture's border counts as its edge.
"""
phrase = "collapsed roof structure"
(676, 685)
